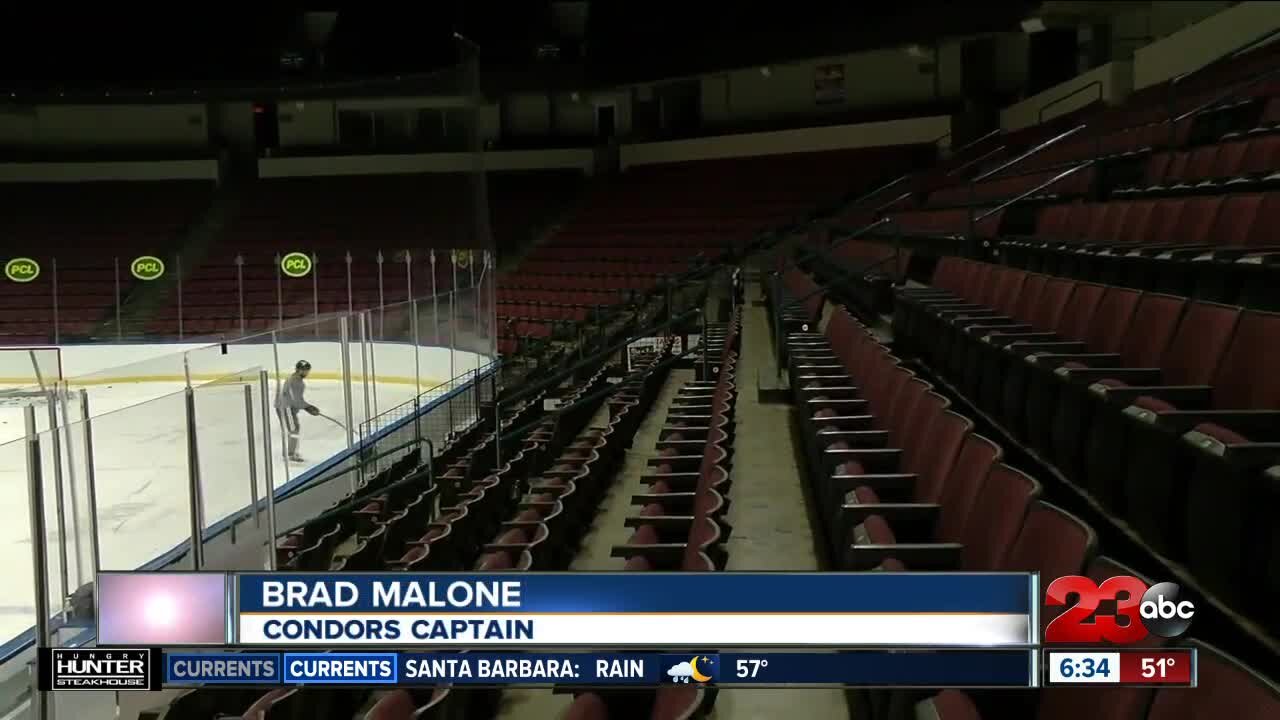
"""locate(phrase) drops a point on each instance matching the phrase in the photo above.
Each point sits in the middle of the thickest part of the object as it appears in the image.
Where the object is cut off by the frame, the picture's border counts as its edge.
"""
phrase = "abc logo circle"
(1164, 612)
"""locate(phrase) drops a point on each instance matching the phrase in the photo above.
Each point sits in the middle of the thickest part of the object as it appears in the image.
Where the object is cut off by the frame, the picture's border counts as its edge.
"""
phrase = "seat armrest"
(1260, 426)
(875, 460)
(1014, 340)
(1056, 359)
(1046, 348)
(885, 484)
(916, 556)
(855, 438)
(661, 522)
(1142, 376)
(986, 326)
(843, 422)
(1190, 397)
(843, 406)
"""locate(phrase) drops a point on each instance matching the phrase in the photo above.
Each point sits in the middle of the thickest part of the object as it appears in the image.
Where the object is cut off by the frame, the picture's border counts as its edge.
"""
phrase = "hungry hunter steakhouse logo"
(97, 669)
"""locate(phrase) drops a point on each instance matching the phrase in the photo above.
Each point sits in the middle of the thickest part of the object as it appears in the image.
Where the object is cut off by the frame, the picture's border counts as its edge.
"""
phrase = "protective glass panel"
(17, 594)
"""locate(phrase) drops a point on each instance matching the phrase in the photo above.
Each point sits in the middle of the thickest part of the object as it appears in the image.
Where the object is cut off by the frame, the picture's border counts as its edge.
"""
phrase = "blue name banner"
(636, 593)
(465, 610)
(864, 668)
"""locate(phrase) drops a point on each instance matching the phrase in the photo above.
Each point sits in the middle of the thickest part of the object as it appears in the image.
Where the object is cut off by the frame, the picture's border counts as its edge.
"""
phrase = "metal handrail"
(1068, 96)
(977, 160)
(1176, 81)
(1229, 93)
(1034, 190)
(1051, 141)
(894, 200)
(975, 141)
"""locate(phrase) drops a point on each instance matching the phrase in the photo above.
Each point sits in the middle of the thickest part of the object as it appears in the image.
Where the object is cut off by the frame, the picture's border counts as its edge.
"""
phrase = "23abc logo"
(1156, 610)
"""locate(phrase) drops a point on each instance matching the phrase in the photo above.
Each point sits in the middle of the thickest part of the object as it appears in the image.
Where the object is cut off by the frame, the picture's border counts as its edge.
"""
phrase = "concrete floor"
(771, 528)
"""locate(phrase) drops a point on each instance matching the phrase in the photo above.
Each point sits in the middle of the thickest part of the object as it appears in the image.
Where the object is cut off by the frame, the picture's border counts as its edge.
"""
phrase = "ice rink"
(140, 467)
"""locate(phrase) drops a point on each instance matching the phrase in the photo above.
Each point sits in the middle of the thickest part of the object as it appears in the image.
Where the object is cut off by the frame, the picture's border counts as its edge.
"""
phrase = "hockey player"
(289, 401)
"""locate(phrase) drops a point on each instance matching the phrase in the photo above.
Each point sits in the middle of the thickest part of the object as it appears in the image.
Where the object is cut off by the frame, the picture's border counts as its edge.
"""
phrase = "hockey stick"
(335, 422)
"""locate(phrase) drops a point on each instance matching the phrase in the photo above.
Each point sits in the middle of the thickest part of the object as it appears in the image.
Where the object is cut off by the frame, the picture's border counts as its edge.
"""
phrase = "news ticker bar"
(568, 610)
(153, 668)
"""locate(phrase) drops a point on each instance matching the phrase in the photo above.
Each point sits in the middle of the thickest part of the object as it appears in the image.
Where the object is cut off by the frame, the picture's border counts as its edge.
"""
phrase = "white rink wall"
(383, 362)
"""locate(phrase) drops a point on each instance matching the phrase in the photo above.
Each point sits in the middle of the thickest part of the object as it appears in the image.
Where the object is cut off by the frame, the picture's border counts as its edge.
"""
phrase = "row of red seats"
(1006, 187)
(680, 524)
(1210, 167)
(941, 499)
(1160, 407)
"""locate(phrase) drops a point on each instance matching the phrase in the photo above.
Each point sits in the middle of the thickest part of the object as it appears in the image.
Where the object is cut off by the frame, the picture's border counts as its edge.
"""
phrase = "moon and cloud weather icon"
(698, 668)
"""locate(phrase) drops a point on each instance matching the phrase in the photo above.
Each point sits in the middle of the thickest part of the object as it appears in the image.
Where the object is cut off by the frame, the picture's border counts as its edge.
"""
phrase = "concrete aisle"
(606, 531)
(770, 525)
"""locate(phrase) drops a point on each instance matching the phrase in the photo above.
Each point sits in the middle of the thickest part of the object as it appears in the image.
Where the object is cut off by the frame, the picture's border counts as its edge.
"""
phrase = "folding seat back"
(1010, 288)
(1176, 171)
(997, 517)
(1154, 323)
(960, 491)
(1263, 231)
(996, 285)
(1108, 229)
(904, 404)
(1157, 166)
(1226, 688)
(1053, 301)
(1196, 220)
(1230, 159)
(1052, 542)
(946, 435)
(1236, 219)
(1107, 326)
(1109, 215)
(1134, 228)
(1052, 220)
(1082, 217)
(1029, 298)
(976, 282)
(1200, 164)
(1165, 216)
(1080, 311)
(1263, 154)
(917, 452)
(1247, 378)
(1198, 346)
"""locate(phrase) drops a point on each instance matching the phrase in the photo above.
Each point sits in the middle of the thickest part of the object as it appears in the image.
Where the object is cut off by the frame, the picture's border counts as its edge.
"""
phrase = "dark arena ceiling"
(599, 42)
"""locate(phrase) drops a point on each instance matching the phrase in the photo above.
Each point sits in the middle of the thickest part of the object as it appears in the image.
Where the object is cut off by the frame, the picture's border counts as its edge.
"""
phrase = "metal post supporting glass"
(35, 491)
(59, 499)
(345, 343)
(193, 487)
(91, 483)
(253, 460)
(72, 484)
(268, 469)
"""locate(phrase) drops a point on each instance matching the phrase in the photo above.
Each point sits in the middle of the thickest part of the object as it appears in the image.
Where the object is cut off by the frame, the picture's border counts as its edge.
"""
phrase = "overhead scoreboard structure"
(641, 629)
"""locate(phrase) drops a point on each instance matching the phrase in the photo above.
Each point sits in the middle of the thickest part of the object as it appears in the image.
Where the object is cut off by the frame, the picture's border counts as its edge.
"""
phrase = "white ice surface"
(140, 452)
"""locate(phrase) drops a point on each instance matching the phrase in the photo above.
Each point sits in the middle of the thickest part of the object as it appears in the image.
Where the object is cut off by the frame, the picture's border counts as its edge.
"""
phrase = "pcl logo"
(22, 270)
(1156, 610)
(147, 267)
(296, 264)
